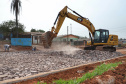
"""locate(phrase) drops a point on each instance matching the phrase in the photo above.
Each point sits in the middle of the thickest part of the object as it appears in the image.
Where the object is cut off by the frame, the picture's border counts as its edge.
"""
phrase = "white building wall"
(35, 39)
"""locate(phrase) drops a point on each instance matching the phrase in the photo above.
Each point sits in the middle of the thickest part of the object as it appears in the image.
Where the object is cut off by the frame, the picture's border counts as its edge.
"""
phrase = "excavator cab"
(101, 36)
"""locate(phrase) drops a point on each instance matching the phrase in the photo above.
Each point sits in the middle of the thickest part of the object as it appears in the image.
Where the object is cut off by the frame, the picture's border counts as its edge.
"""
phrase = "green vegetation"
(8, 27)
(99, 70)
(34, 30)
(40, 83)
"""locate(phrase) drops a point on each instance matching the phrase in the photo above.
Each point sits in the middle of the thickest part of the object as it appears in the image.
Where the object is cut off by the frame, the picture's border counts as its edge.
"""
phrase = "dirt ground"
(21, 48)
(123, 51)
(119, 73)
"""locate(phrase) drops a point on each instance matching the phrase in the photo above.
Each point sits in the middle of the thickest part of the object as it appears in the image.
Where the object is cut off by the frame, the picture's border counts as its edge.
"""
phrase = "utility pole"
(71, 28)
(67, 34)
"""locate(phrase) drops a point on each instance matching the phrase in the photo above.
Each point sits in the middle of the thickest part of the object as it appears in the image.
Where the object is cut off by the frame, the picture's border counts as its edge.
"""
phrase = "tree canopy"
(40, 30)
(8, 27)
(33, 30)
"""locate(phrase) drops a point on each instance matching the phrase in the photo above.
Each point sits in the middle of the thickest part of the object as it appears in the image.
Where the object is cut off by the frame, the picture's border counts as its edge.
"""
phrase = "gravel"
(14, 65)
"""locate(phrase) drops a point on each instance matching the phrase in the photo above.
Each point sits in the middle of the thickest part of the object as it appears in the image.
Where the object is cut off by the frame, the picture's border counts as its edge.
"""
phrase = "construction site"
(49, 57)
(21, 65)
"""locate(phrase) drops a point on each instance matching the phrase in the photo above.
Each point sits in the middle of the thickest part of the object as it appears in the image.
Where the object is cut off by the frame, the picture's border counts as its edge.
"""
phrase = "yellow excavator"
(100, 37)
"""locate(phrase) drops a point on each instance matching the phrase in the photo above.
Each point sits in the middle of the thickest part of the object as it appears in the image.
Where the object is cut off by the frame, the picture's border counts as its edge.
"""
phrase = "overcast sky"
(41, 14)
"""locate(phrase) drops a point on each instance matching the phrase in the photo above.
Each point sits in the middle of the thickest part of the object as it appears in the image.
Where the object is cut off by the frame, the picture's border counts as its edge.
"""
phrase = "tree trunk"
(17, 24)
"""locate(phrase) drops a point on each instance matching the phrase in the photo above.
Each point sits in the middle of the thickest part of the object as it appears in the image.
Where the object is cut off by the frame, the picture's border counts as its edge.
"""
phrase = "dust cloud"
(65, 47)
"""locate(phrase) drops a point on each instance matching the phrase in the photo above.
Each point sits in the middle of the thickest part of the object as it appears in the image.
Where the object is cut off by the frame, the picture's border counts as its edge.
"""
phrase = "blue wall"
(21, 41)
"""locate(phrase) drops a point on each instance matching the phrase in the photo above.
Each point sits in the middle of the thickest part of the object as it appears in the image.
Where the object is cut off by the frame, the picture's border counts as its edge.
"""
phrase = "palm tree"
(15, 7)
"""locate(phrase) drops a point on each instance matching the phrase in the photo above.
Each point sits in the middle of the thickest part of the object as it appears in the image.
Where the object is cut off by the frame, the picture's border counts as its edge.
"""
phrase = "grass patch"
(99, 70)
(40, 83)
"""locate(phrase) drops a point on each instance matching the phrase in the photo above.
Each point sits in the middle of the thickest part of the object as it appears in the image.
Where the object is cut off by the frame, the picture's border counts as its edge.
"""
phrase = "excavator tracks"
(111, 49)
(105, 48)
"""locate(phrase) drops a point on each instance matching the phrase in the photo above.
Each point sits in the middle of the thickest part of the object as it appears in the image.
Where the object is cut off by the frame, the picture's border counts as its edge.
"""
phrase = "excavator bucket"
(47, 39)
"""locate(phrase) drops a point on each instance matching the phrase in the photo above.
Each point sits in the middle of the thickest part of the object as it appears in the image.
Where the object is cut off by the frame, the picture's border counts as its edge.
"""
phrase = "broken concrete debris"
(14, 65)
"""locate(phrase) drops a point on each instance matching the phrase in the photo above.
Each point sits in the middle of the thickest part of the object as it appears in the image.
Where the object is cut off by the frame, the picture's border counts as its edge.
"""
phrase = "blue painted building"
(21, 41)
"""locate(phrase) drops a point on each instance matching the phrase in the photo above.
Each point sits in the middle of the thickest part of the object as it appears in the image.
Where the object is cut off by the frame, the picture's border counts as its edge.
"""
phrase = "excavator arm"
(78, 18)
(48, 36)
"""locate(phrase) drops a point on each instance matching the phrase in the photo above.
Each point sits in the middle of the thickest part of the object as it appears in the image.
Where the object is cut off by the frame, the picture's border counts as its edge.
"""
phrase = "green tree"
(121, 39)
(33, 30)
(15, 7)
(9, 27)
(40, 31)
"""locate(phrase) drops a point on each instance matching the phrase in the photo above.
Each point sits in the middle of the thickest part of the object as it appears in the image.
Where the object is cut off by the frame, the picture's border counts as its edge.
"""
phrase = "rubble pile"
(24, 63)
(93, 55)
